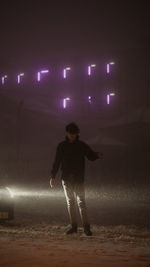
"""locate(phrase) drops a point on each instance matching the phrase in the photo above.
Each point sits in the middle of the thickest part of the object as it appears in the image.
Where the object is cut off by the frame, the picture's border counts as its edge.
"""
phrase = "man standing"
(70, 155)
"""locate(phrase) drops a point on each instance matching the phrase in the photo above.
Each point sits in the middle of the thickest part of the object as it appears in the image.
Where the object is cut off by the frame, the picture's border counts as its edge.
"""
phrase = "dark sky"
(33, 31)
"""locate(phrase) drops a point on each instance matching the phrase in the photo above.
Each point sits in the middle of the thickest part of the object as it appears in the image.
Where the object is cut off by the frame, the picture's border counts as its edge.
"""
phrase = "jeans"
(75, 192)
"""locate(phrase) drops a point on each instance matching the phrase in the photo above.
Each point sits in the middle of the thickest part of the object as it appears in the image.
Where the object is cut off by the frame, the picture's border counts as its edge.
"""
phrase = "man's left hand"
(100, 155)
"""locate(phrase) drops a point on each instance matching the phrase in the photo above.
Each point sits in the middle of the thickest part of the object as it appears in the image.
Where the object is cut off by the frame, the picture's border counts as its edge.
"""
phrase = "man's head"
(72, 131)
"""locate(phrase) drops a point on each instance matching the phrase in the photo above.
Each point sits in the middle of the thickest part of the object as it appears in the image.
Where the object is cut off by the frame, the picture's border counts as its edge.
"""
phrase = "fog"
(31, 128)
(117, 187)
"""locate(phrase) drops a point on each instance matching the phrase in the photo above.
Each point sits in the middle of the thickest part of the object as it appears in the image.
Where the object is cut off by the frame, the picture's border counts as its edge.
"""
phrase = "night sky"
(37, 32)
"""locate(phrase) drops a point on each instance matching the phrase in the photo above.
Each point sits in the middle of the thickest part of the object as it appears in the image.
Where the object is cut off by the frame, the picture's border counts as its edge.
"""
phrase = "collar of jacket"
(67, 139)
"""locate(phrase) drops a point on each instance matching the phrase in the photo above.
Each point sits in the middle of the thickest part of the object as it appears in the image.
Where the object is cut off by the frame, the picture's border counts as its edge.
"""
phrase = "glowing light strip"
(112, 94)
(108, 66)
(19, 77)
(39, 74)
(3, 79)
(65, 72)
(90, 68)
(44, 71)
(108, 97)
(65, 102)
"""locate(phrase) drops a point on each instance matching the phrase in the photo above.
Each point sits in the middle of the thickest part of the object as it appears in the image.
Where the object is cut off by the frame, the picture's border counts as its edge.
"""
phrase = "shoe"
(87, 231)
(72, 230)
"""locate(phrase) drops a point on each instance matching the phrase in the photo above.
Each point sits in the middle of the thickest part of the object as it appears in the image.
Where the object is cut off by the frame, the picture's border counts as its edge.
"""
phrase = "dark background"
(55, 34)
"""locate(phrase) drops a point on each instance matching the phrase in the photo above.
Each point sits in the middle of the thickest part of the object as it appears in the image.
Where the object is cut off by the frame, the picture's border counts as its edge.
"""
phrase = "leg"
(80, 194)
(70, 199)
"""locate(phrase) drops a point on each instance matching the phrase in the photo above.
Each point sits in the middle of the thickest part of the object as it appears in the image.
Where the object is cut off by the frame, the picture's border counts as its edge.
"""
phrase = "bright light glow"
(19, 77)
(112, 94)
(3, 79)
(97, 194)
(65, 100)
(10, 192)
(108, 66)
(90, 68)
(22, 192)
(65, 72)
(108, 97)
(44, 71)
(39, 74)
(90, 99)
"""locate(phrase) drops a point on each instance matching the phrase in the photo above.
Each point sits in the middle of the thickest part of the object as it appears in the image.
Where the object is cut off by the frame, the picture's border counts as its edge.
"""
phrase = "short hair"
(72, 128)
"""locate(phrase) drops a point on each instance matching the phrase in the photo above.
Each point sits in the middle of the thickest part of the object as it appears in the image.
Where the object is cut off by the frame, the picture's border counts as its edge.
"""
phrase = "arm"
(92, 155)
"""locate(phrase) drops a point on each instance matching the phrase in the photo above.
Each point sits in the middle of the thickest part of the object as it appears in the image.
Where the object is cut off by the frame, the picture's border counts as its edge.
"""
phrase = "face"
(72, 136)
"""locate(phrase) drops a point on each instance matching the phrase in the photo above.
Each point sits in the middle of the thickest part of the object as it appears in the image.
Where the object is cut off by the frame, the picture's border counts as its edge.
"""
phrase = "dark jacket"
(71, 158)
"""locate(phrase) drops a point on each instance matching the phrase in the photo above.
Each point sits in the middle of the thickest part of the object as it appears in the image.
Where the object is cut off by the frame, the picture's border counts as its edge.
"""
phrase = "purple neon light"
(19, 77)
(44, 71)
(65, 102)
(39, 74)
(65, 72)
(90, 99)
(90, 68)
(108, 97)
(108, 66)
(3, 79)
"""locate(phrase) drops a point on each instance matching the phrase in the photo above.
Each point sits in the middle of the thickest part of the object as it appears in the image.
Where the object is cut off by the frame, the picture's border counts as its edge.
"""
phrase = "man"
(70, 155)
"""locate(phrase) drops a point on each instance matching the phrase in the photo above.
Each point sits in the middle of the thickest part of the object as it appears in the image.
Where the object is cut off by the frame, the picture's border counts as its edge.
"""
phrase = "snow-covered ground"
(36, 237)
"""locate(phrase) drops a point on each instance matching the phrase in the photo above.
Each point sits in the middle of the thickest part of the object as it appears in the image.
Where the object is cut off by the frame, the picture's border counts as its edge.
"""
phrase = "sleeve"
(89, 153)
(56, 163)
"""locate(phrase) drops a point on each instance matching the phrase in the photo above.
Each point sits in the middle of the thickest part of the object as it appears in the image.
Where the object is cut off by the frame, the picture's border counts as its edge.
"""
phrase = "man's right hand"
(51, 182)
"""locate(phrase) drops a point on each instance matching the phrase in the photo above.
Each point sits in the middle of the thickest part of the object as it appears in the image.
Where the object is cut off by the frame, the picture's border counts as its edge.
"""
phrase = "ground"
(36, 237)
